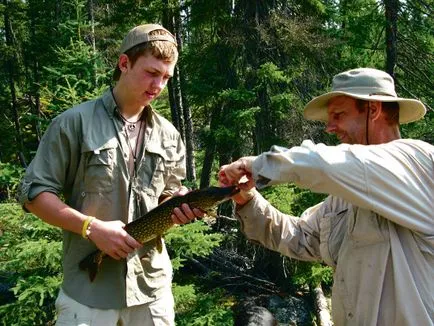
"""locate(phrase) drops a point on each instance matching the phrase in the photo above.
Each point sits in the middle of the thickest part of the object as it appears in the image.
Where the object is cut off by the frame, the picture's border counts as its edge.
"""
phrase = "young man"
(376, 227)
(113, 159)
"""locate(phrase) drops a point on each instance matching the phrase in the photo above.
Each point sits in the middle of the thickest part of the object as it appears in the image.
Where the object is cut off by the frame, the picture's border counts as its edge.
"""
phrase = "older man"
(376, 227)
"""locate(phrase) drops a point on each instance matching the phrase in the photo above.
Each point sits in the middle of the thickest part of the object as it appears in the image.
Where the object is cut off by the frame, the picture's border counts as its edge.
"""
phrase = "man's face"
(146, 78)
(345, 121)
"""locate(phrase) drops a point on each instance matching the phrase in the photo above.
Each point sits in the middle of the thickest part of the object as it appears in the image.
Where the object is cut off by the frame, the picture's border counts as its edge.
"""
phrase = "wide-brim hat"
(140, 34)
(365, 84)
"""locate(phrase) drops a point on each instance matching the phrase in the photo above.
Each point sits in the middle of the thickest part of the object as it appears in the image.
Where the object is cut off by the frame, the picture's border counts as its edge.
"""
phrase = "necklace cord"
(125, 121)
(119, 112)
(367, 124)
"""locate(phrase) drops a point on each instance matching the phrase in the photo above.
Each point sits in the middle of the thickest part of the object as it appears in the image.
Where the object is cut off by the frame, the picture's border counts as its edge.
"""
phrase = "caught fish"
(157, 221)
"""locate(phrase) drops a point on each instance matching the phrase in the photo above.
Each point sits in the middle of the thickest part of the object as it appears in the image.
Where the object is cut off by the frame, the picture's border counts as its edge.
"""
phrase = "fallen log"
(321, 307)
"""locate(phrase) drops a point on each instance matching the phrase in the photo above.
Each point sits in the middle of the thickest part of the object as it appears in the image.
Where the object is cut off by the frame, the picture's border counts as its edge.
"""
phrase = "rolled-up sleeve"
(291, 236)
(394, 180)
(48, 170)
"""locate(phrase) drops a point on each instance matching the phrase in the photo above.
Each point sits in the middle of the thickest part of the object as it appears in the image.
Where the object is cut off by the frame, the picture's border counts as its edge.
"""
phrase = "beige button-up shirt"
(376, 229)
(84, 155)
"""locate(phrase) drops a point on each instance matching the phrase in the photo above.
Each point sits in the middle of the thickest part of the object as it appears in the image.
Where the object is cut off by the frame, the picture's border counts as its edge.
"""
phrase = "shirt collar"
(111, 107)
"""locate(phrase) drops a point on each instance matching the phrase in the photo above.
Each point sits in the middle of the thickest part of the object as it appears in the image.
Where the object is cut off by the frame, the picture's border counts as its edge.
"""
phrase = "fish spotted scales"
(157, 221)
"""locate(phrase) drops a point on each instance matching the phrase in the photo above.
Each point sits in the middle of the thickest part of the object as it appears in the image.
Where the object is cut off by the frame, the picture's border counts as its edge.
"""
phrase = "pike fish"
(157, 221)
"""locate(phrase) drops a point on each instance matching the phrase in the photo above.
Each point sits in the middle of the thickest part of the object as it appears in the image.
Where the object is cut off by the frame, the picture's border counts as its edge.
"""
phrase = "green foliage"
(312, 274)
(38, 254)
(191, 240)
(35, 302)
(236, 120)
(72, 79)
(280, 196)
(292, 200)
(10, 176)
(35, 283)
(197, 308)
(249, 70)
(305, 198)
(269, 75)
(30, 260)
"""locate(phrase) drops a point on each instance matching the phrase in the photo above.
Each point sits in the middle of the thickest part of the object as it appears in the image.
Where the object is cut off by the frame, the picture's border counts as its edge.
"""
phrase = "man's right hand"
(239, 173)
(111, 238)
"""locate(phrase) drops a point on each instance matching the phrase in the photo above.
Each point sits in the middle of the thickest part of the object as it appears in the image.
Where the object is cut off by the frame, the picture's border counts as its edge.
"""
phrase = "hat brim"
(409, 110)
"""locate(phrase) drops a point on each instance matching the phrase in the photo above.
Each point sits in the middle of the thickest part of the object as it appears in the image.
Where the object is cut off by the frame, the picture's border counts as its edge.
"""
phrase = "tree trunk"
(210, 148)
(91, 17)
(58, 12)
(188, 123)
(174, 89)
(36, 103)
(10, 68)
(174, 107)
(205, 177)
(263, 131)
(391, 11)
(181, 112)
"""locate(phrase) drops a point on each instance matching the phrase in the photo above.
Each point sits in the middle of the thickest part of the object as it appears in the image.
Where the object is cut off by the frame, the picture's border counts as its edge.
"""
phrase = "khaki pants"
(156, 313)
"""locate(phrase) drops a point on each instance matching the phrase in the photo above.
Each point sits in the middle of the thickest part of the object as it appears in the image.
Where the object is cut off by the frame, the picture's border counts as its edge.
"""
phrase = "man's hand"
(111, 238)
(239, 173)
(185, 213)
(231, 174)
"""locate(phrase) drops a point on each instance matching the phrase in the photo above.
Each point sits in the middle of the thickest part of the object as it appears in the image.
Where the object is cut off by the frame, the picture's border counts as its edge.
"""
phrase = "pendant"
(131, 127)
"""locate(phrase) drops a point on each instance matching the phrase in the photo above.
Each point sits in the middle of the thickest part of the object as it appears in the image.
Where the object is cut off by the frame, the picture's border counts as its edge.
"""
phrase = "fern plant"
(30, 269)
(198, 308)
(30, 263)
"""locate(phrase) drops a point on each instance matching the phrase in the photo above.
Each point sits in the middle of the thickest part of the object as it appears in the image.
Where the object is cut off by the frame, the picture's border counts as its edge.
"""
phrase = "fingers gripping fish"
(156, 222)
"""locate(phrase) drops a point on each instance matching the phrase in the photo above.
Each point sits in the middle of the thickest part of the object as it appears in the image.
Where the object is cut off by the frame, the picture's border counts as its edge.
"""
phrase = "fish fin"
(209, 219)
(210, 216)
(91, 263)
(159, 241)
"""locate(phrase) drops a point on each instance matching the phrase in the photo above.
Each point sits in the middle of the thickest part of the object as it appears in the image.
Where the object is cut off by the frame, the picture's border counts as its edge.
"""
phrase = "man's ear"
(375, 109)
(123, 62)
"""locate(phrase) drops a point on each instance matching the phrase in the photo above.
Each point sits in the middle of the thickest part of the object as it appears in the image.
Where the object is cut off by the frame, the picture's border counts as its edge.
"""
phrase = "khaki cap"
(365, 84)
(140, 34)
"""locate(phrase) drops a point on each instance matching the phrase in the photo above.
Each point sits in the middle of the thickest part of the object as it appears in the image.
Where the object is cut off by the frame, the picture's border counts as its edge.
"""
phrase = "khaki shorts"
(156, 313)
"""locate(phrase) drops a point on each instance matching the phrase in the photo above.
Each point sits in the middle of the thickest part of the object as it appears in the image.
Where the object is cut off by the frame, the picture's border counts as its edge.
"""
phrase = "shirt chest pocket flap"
(161, 158)
(367, 228)
(99, 166)
(166, 153)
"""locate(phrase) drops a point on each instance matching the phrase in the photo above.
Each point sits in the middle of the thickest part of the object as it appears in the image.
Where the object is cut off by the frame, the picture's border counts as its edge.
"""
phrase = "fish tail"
(159, 241)
(91, 263)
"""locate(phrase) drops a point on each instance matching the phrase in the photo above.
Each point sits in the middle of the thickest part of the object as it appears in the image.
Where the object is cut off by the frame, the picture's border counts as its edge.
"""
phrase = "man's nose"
(159, 83)
(330, 127)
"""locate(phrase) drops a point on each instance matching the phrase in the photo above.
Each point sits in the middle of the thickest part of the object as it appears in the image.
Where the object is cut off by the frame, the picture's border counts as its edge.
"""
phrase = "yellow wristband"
(86, 225)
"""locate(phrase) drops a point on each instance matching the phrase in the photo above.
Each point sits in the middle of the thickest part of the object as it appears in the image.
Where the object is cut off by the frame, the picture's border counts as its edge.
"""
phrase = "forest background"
(246, 69)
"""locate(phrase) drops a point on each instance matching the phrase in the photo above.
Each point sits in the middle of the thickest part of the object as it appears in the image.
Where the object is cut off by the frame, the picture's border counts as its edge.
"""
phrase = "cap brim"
(409, 110)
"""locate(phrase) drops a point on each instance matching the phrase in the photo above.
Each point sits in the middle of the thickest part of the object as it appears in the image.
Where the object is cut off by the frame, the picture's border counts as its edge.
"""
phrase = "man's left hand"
(184, 213)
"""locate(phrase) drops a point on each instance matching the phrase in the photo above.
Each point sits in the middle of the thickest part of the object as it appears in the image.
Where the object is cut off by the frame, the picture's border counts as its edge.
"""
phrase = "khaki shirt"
(376, 229)
(84, 156)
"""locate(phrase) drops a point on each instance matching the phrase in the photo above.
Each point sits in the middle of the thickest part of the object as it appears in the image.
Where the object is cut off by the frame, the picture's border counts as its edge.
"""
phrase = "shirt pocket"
(332, 232)
(367, 228)
(99, 168)
(161, 159)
